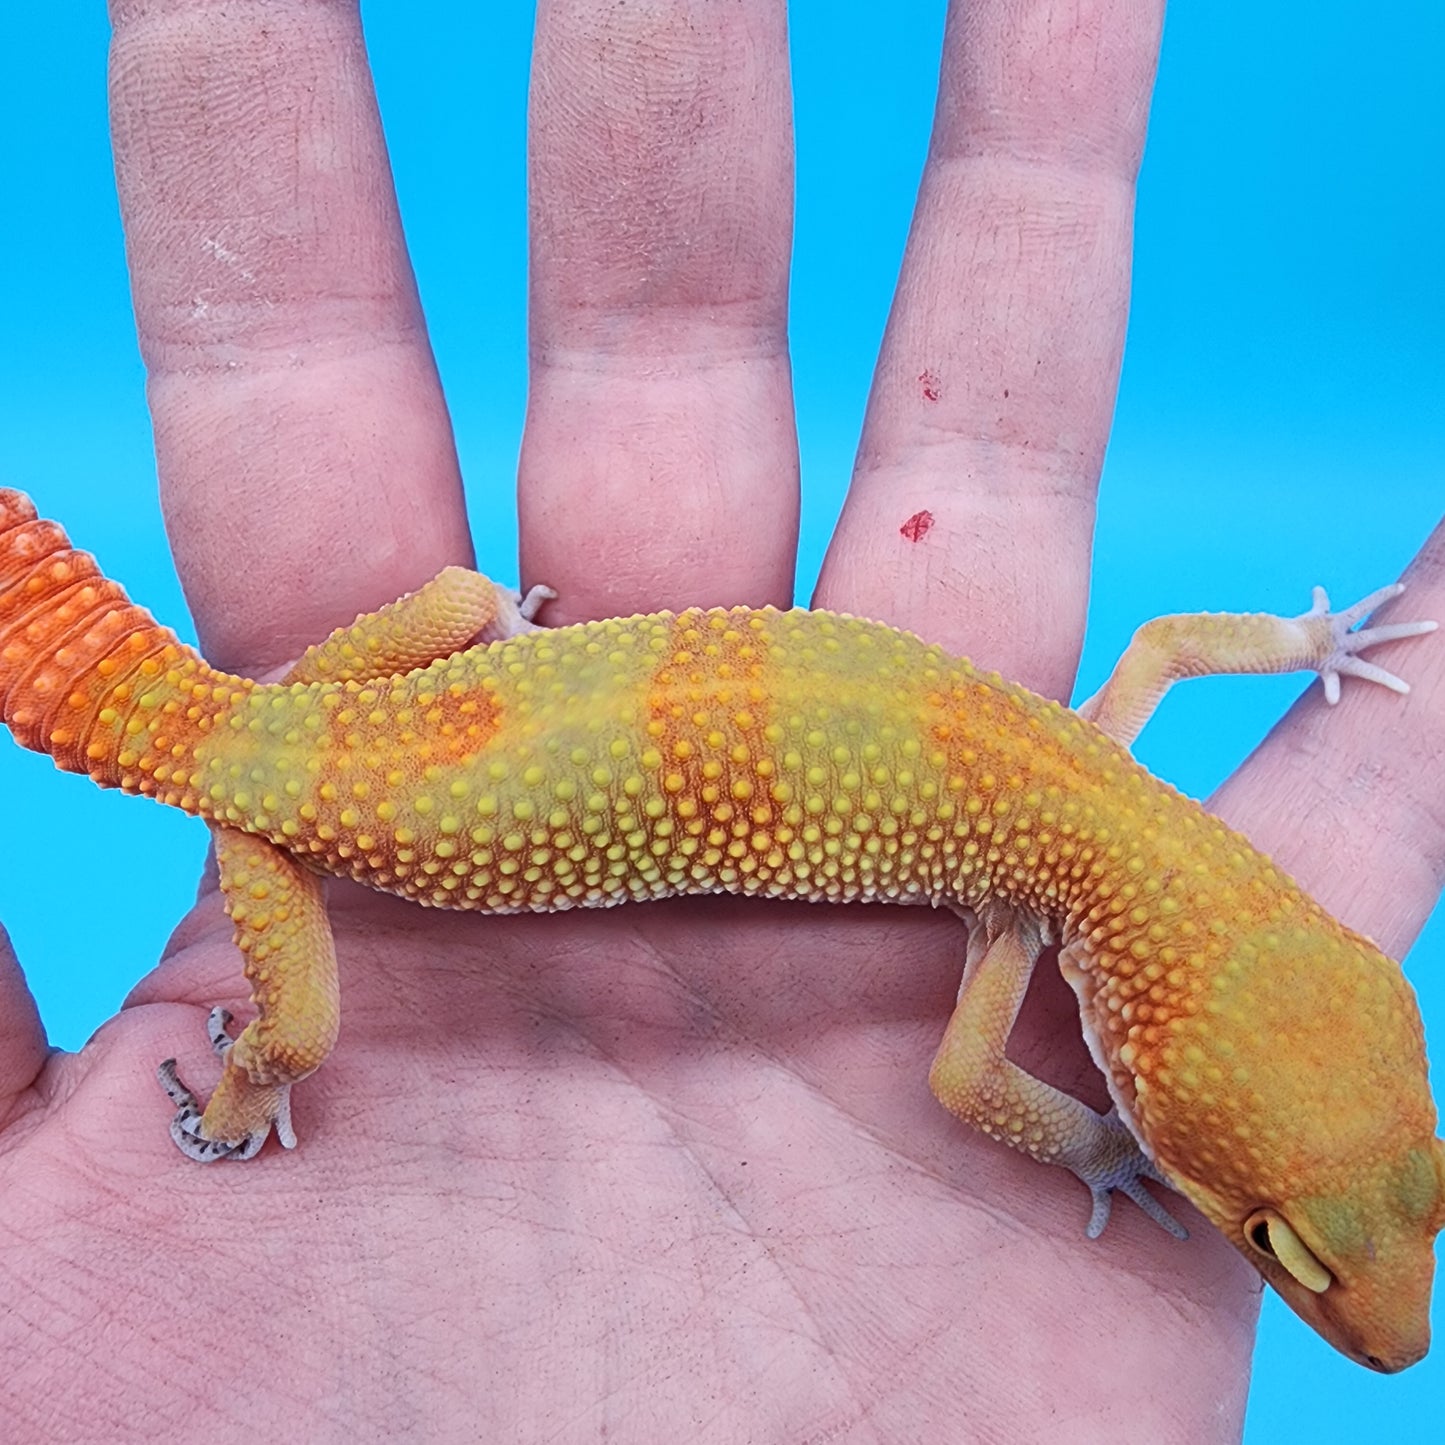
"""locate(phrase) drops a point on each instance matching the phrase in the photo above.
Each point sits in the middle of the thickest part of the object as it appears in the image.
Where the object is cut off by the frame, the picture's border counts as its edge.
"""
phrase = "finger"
(970, 516)
(1351, 799)
(22, 1036)
(659, 432)
(305, 456)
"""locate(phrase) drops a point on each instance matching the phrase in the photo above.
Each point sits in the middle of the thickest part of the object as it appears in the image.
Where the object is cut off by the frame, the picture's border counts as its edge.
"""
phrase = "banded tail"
(85, 674)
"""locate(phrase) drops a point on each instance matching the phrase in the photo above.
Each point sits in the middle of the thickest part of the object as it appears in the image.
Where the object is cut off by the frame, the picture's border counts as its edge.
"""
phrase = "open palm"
(664, 1172)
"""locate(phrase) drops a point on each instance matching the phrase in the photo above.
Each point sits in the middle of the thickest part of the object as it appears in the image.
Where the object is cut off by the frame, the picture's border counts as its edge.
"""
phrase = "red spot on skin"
(917, 527)
(929, 382)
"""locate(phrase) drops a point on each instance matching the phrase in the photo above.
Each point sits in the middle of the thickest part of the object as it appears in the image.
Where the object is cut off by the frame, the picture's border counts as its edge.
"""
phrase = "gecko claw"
(1343, 659)
(1103, 1196)
(1133, 1189)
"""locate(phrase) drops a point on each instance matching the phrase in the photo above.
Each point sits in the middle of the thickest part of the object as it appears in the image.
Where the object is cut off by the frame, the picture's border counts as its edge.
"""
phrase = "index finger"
(305, 455)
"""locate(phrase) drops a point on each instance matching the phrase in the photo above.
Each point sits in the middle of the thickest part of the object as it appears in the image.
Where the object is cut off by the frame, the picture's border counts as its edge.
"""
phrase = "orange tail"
(85, 675)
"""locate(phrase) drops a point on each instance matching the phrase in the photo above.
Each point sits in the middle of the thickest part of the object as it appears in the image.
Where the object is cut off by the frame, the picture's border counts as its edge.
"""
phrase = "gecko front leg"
(1202, 644)
(973, 1078)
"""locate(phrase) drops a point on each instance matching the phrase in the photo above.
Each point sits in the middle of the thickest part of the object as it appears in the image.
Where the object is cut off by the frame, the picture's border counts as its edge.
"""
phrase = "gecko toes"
(187, 1124)
(1347, 640)
(1117, 1164)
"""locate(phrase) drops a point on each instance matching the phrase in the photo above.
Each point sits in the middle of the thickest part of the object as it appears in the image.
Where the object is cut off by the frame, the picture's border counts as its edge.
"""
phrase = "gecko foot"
(1343, 659)
(1116, 1163)
(186, 1126)
(516, 612)
(530, 605)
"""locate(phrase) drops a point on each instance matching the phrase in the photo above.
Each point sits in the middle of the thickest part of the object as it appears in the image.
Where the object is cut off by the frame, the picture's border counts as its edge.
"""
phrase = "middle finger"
(659, 434)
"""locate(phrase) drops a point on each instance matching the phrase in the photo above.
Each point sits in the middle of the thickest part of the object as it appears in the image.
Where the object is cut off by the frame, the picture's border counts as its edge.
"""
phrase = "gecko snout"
(1371, 1300)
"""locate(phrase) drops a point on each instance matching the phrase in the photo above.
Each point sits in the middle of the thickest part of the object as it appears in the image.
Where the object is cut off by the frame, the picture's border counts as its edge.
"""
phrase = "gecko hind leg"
(276, 905)
(278, 914)
(457, 609)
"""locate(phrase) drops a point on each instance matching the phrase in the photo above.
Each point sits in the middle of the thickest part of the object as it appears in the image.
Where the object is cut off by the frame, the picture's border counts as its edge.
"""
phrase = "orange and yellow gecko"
(1262, 1059)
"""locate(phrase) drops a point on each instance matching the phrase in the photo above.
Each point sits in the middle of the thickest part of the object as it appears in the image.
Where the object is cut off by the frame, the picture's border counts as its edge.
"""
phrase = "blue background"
(1280, 421)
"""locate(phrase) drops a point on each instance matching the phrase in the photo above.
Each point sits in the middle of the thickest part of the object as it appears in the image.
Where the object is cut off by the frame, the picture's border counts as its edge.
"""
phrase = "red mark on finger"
(917, 527)
(929, 382)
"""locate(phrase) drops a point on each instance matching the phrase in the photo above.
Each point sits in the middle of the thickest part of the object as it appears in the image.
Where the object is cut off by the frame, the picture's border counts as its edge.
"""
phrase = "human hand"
(674, 1170)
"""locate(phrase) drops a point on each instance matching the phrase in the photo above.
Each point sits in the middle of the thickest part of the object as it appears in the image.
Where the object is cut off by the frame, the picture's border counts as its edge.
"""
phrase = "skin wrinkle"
(757, 1239)
(1002, 130)
(758, 1235)
(1035, 472)
(787, 1068)
(342, 340)
(680, 344)
(798, 1070)
(1103, 165)
(670, 1114)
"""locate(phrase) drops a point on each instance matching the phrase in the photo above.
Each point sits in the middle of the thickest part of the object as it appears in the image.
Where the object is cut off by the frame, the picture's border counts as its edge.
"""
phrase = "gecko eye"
(1271, 1236)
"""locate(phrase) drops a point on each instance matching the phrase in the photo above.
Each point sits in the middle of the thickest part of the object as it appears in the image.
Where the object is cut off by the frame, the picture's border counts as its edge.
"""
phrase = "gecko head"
(1301, 1124)
(1357, 1265)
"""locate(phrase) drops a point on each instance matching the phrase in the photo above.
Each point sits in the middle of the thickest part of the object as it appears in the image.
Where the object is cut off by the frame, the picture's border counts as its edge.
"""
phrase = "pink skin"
(671, 1170)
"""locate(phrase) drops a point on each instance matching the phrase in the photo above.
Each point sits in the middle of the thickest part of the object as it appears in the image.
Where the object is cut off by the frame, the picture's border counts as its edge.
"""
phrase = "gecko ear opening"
(1269, 1234)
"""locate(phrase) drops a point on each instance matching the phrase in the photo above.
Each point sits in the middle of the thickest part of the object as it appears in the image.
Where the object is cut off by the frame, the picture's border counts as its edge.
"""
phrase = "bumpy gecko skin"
(1263, 1060)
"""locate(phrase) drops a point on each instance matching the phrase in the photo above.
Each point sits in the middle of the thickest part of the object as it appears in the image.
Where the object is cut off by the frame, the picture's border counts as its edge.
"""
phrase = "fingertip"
(23, 1046)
